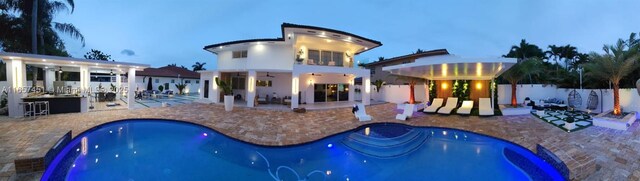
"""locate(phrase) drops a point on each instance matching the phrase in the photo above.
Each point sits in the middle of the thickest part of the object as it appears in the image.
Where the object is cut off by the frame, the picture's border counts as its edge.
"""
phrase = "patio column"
(118, 84)
(85, 77)
(352, 88)
(16, 79)
(366, 93)
(251, 88)
(295, 86)
(131, 91)
(214, 94)
(49, 77)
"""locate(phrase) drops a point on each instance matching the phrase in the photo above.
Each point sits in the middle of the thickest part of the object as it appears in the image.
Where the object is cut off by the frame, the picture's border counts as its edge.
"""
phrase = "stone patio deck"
(591, 154)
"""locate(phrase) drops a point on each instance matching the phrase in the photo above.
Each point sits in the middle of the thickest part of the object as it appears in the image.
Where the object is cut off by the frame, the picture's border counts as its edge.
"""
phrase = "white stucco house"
(308, 64)
(168, 77)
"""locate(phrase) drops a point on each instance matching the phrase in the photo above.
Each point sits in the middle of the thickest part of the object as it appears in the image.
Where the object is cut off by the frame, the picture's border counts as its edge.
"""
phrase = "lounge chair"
(485, 107)
(407, 113)
(465, 108)
(452, 103)
(361, 113)
(437, 103)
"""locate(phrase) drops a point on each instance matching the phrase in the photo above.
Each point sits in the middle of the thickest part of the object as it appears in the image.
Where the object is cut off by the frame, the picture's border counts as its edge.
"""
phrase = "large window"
(321, 57)
(263, 83)
(240, 54)
(237, 83)
(314, 57)
(187, 81)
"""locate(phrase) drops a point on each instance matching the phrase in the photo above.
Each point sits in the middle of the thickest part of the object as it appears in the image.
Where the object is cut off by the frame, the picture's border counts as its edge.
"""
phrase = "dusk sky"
(165, 32)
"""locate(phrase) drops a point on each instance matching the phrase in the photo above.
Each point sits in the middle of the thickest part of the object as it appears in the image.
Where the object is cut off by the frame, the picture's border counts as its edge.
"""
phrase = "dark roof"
(242, 41)
(411, 56)
(169, 71)
(289, 25)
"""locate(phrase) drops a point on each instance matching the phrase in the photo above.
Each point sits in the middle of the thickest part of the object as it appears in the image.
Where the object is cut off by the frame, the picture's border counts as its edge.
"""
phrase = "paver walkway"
(616, 153)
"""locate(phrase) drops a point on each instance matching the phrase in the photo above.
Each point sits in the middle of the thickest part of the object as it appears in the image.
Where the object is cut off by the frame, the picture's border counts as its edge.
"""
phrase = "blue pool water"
(138, 150)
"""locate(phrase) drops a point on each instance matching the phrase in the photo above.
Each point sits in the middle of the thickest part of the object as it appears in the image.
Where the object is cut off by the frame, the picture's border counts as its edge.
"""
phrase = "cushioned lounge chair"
(465, 108)
(406, 113)
(452, 103)
(485, 107)
(437, 103)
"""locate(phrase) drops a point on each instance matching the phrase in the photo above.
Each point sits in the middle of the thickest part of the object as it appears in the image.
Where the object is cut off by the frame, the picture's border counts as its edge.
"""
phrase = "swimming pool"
(172, 150)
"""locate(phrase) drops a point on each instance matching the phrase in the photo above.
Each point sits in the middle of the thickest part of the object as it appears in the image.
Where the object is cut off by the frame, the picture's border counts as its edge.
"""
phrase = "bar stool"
(27, 108)
(41, 108)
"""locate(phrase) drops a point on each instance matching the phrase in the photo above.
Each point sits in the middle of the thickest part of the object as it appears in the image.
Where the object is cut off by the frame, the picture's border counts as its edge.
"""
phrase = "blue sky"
(171, 31)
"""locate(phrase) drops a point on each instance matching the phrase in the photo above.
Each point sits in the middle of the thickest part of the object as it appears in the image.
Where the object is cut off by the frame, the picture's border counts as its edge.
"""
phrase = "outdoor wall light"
(60, 70)
(478, 85)
(444, 85)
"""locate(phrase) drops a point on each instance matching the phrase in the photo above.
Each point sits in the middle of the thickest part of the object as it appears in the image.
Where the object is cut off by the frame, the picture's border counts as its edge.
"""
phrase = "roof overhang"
(289, 30)
(451, 67)
(57, 61)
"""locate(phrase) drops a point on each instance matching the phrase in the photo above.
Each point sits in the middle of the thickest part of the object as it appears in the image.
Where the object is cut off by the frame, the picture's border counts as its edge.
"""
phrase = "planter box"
(509, 111)
(416, 107)
(613, 123)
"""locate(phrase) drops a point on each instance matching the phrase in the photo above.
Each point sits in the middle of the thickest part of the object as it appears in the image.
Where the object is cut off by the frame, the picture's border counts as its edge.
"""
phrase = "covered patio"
(66, 96)
(449, 73)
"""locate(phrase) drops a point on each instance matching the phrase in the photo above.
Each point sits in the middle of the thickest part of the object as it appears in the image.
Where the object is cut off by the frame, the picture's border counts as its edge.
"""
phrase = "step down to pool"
(386, 147)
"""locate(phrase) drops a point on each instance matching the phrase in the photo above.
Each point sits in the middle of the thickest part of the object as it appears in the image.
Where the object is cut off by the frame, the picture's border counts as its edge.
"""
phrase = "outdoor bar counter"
(62, 104)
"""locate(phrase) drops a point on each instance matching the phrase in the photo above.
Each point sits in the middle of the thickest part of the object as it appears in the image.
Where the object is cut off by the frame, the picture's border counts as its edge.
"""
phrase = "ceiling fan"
(271, 76)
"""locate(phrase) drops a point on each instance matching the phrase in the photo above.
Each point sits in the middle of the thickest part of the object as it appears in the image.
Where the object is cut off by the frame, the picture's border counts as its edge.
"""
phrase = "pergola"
(445, 68)
(17, 75)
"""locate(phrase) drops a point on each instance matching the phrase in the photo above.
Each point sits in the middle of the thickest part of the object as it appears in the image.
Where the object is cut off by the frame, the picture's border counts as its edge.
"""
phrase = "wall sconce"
(444, 85)
(478, 85)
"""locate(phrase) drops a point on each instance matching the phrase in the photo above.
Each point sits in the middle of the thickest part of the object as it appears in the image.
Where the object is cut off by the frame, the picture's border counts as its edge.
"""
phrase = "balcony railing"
(325, 63)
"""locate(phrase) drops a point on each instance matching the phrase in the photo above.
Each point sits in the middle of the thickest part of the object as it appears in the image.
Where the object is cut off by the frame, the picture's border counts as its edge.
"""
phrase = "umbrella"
(149, 85)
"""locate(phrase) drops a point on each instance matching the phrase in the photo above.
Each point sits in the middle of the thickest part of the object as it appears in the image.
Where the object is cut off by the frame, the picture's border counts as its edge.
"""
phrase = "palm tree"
(198, 66)
(554, 53)
(569, 54)
(519, 71)
(618, 61)
(524, 51)
(40, 14)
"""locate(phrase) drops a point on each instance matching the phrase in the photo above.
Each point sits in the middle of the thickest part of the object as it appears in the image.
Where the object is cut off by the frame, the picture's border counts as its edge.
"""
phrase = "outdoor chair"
(437, 103)
(452, 103)
(406, 113)
(361, 113)
(465, 108)
(485, 107)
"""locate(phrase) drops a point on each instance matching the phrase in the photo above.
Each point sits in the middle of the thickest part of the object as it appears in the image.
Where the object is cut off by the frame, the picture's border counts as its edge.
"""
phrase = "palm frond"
(55, 7)
(70, 30)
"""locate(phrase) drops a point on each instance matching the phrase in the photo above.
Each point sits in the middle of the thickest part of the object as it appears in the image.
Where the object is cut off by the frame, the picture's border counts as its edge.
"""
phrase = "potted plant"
(299, 58)
(569, 123)
(228, 94)
(161, 88)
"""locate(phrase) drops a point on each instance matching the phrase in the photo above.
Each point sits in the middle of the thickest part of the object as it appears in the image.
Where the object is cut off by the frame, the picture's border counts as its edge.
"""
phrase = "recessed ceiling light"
(44, 60)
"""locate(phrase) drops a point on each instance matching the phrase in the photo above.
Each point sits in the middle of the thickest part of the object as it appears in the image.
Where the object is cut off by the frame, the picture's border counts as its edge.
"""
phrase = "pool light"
(329, 145)
(444, 133)
(204, 134)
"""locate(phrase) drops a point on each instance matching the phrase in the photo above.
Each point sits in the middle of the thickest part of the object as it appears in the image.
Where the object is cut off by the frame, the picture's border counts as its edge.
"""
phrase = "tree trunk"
(514, 100)
(34, 27)
(616, 99)
(412, 97)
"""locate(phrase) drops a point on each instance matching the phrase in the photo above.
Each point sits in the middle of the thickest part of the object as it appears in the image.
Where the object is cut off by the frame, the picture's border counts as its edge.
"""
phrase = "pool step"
(386, 147)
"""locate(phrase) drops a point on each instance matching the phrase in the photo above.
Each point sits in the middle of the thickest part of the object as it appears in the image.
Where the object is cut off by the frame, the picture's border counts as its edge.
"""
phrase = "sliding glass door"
(330, 92)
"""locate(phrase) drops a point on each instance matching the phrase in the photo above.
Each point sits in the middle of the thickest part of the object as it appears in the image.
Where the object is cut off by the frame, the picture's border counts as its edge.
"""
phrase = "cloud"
(128, 52)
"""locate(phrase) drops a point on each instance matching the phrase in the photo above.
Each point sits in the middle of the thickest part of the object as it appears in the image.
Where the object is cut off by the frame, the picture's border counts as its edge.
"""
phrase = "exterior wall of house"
(281, 85)
(263, 56)
(192, 87)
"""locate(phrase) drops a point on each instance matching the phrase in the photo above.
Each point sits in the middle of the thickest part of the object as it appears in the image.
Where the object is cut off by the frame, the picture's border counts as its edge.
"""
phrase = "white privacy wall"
(629, 98)
(398, 93)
